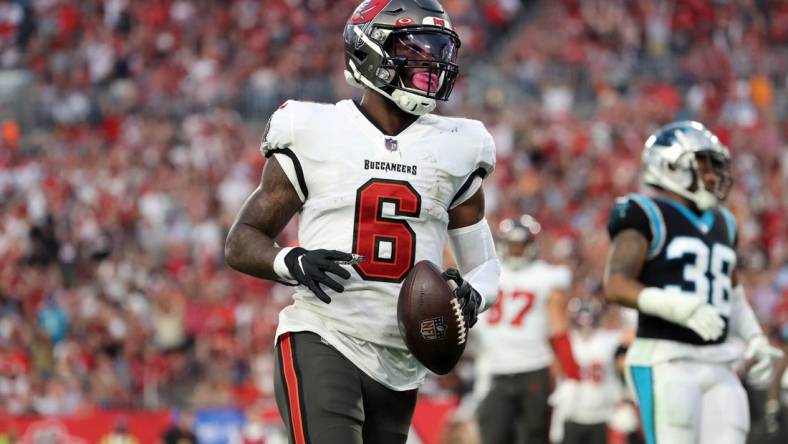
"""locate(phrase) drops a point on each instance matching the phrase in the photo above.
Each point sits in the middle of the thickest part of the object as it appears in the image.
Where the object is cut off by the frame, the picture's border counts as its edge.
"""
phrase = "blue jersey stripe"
(642, 379)
(730, 222)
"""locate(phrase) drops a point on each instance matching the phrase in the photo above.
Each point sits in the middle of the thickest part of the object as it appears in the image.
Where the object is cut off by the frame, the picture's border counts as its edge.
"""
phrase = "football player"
(518, 339)
(378, 184)
(586, 407)
(673, 258)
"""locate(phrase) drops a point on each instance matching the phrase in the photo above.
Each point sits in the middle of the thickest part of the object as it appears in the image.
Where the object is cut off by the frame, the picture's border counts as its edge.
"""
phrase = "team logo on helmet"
(367, 11)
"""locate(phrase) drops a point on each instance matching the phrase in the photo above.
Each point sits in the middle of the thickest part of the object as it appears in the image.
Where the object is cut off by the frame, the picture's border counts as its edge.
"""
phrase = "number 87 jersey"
(384, 197)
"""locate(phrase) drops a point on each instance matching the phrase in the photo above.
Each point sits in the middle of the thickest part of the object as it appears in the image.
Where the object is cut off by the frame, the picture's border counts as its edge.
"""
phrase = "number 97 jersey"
(689, 253)
(383, 197)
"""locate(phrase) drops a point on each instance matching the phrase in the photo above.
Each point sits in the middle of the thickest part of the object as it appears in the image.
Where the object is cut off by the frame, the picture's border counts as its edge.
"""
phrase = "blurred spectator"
(181, 431)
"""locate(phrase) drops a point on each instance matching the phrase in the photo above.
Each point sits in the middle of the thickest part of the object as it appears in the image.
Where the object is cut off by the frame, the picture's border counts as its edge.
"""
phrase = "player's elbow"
(616, 288)
(611, 288)
(233, 249)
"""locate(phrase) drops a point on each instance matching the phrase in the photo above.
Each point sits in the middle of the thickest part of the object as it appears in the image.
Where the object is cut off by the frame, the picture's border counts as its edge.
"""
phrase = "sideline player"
(673, 258)
(519, 337)
(378, 185)
(583, 409)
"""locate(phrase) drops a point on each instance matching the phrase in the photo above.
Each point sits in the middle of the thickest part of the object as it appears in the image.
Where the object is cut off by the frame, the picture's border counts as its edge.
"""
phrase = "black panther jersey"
(690, 253)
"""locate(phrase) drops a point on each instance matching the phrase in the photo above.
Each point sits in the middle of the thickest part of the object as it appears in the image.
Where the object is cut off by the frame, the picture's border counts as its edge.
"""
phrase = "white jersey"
(514, 333)
(599, 390)
(384, 197)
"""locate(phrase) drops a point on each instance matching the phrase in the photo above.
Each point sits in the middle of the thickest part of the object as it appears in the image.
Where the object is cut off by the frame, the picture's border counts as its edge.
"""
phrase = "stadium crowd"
(119, 182)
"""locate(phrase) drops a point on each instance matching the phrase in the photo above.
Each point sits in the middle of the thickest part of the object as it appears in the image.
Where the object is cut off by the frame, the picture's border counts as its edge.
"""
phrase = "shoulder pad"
(641, 213)
(292, 121)
(474, 150)
(730, 224)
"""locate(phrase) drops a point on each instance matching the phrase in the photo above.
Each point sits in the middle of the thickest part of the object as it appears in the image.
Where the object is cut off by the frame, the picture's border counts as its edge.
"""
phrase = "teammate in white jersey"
(378, 185)
(673, 258)
(584, 408)
(518, 339)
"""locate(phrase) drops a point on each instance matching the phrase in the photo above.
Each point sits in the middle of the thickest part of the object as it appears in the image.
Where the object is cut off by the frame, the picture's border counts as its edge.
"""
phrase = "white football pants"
(690, 402)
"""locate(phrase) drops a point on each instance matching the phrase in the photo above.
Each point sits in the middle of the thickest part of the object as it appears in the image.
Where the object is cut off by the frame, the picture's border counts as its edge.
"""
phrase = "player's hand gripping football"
(309, 268)
(470, 299)
(761, 353)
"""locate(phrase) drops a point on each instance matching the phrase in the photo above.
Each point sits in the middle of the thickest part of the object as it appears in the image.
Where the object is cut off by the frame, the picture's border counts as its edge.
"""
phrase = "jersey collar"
(703, 223)
(370, 125)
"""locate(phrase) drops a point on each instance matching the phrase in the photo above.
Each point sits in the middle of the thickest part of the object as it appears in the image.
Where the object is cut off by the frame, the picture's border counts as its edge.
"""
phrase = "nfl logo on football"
(391, 144)
(433, 329)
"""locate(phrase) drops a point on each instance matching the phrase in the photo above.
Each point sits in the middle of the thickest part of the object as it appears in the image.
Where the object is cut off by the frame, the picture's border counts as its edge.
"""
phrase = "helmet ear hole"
(360, 55)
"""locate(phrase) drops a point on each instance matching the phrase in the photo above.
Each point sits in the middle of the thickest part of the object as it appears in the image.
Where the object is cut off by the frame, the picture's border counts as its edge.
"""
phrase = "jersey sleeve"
(483, 167)
(730, 224)
(279, 141)
(563, 278)
(642, 214)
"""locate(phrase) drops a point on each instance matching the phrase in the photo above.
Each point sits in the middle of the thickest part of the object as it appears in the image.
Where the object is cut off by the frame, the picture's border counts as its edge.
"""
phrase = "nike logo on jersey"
(389, 167)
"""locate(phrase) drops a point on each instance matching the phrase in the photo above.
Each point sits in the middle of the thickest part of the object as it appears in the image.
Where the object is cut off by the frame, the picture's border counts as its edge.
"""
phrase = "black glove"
(470, 299)
(309, 268)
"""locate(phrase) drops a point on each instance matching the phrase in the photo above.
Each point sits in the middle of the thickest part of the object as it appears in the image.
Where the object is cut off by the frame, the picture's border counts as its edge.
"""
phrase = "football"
(430, 319)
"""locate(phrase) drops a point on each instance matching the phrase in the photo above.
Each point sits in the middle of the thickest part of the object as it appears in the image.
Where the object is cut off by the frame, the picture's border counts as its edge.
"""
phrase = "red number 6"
(388, 244)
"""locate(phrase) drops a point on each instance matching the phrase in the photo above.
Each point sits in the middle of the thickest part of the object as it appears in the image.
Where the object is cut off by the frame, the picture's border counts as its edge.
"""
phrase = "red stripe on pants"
(291, 381)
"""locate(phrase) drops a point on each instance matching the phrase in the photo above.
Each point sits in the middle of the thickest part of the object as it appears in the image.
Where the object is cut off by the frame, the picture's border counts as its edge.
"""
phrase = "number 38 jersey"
(514, 333)
(693, 254)
(384, 197)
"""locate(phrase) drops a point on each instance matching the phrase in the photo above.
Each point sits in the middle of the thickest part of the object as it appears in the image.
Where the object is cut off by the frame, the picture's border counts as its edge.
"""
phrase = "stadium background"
(129, 133)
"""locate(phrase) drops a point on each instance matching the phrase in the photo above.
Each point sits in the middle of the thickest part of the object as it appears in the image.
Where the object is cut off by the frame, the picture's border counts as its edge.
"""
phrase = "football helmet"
(679, 155)
(517, 238)
(585, 312)
(405, 50)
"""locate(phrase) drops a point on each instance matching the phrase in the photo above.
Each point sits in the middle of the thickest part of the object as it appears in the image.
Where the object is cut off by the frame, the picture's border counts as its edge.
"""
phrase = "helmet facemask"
(423, 62)
(714, 173)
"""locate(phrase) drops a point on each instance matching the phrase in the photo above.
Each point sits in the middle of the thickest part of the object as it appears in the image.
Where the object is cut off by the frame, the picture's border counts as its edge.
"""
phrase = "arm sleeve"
(279, 140)
(743, 322)
(563, 278)
(474, 249)
(483, 168)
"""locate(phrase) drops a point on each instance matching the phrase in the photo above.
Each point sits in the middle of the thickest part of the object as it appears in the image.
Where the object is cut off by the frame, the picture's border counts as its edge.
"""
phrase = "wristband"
(280, 268)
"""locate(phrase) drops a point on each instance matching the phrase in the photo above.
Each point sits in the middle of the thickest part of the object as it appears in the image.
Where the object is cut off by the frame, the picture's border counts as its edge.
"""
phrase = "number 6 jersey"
(384, 197)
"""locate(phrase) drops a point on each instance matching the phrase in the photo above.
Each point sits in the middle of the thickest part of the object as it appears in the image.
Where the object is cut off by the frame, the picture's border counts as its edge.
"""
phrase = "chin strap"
(408, 102)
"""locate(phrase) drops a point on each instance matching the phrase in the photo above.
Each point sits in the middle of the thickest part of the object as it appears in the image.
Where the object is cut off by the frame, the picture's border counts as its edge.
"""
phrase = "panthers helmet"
(675, 157)
(405, 50)
(517, 240)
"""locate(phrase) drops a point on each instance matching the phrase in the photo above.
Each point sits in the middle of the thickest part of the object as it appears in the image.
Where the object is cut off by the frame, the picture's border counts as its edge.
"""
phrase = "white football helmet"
(674, 156)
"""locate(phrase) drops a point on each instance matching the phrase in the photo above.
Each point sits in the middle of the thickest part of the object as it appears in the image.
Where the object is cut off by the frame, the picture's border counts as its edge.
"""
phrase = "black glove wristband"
(309, 268)
(470, 299)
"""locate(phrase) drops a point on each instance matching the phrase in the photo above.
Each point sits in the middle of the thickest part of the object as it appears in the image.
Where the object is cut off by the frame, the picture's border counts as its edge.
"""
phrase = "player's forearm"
(250, 244)
(627, 255)
(622, 290)
(250, 251)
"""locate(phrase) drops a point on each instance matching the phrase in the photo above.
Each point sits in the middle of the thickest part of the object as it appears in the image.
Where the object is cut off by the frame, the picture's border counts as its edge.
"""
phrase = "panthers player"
(378, 185)
(673, 258)
(518, 339)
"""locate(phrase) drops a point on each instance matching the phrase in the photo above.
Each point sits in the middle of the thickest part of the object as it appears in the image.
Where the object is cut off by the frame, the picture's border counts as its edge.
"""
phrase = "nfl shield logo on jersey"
(391, 144)
(433, 329)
